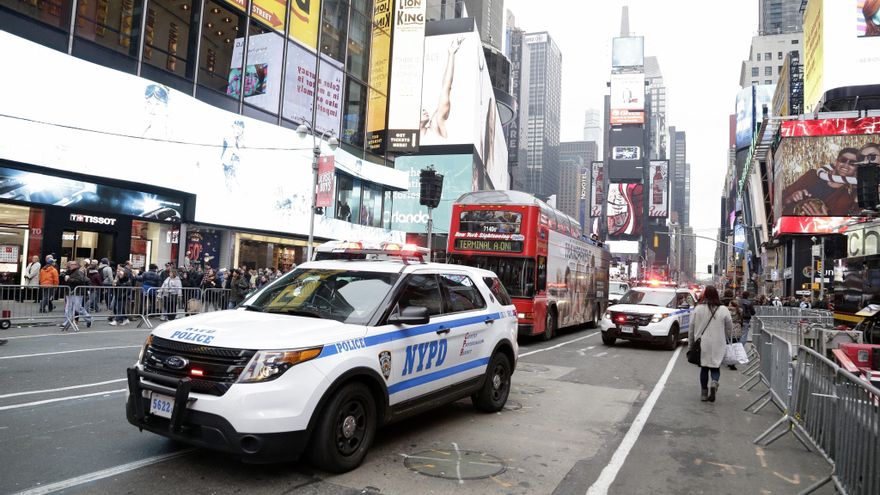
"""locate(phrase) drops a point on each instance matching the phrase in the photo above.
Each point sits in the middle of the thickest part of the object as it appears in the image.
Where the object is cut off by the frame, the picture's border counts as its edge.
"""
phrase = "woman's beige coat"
(713, 340)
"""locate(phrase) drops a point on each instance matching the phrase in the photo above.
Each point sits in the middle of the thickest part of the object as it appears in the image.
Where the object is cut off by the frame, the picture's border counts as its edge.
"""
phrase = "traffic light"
(867, 192)
(430, 187)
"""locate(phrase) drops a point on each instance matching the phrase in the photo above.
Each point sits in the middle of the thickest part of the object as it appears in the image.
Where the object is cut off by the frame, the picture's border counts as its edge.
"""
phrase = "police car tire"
(608, 339)
(673, 338)
(496, 388)
(332, 448)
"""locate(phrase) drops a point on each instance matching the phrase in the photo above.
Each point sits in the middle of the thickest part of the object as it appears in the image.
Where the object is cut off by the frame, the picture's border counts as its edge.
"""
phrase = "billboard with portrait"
(597, 189)
(628, 52)
(658, 204)
(841, 46)
(458, 103)
(815, 171)
(244, 173)
(625, 209)
(408, 215)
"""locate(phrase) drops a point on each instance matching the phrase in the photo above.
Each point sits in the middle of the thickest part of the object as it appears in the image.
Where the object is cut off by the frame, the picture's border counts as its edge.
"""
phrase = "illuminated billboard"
(407, 214)
(627, 156)
(848, 30)
(305, 20)
(407, 56)
(815, 171)
(627, 99)
(628, 52)
(597, 188)
(750, 104)
(658, 204)
(625, 210)
(380, 58)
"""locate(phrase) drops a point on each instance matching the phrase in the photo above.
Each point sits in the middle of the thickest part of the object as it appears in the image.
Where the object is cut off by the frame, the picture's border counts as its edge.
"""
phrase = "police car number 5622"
(316, 361)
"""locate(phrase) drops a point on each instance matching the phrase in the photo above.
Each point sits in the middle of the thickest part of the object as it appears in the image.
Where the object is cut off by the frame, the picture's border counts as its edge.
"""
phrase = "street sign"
(817, 250)
(803, 292)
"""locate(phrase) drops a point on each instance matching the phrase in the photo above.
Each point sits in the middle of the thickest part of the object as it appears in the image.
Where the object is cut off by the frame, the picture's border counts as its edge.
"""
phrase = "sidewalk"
(693, 447)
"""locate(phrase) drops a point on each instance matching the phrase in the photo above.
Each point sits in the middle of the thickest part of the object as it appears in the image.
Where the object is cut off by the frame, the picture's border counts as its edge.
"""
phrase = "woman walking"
(711, 322)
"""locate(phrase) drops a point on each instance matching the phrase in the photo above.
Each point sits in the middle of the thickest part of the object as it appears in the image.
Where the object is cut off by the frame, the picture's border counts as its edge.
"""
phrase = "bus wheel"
(549, 325)
(594, 321)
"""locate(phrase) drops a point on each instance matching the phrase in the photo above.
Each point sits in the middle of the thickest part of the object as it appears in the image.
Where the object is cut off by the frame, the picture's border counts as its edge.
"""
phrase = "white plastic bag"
(735, 354)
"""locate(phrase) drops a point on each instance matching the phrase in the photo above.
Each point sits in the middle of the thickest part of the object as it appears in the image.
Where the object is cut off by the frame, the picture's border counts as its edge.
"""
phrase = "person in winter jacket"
(73, 307)
(95, 280)
(123, 278)
(710, 323)
(171, 291)
(48, 281)
(238, 288)
(748, 310)
(150, 282)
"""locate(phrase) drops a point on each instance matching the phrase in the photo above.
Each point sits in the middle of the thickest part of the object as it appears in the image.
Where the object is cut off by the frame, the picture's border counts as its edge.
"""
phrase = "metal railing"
(28, 305)
(826, 408)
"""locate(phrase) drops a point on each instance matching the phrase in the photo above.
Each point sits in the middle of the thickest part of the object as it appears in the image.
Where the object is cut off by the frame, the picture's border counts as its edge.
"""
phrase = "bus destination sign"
(495, 245)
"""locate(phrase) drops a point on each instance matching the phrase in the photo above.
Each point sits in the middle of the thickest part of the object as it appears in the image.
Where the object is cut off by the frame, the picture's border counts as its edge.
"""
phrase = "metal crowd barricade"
(856, 453)
(30, 305)
(215, 300)
(172, 303)
(113, 303)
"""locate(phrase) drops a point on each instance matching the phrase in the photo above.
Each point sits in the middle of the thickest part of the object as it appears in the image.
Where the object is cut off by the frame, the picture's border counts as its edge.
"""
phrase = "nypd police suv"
(314, 362)
(649, 314)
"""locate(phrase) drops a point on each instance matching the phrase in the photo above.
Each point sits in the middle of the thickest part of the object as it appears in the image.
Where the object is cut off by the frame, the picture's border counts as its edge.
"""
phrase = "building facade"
(544, 105)
(574, 159)
(593, 128)
(657, 98)
(779, 16)
(679, 174)
(489, 16)
(767, 58)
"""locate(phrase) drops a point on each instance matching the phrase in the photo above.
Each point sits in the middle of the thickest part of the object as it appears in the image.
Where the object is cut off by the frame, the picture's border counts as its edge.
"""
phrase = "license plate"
(626, 329)
(161, 405)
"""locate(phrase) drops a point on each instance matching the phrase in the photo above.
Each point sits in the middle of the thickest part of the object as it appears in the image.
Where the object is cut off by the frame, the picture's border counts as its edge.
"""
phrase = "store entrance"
(81, 244)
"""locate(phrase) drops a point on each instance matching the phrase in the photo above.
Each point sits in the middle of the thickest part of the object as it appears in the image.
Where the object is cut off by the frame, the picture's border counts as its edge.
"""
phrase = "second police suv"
(313, 363)
(654, 313)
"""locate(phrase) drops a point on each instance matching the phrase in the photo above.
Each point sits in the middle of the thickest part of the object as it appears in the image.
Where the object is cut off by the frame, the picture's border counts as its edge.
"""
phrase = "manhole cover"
(529, 390)
(455, 464)
(532, 368)
(512, 405)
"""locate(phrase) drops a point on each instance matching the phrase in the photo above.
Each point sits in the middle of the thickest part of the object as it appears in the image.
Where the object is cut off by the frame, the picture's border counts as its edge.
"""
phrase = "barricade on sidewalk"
(26, 305)
(215, 300)
(117, 304)
(172, 303)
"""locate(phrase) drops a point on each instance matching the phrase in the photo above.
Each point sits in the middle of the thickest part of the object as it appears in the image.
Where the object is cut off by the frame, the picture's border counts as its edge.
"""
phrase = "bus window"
(542, 273)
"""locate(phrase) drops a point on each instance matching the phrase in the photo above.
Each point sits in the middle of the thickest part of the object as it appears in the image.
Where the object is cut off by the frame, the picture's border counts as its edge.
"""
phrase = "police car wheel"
(549, 325)
(672, 339)
(345, 431)
(493, 395)
(608, 339)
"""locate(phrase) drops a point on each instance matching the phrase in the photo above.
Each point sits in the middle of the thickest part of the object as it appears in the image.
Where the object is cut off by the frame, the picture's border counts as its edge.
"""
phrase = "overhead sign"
(536, 38)
(80, 218)
(830, 127)
(407, 61)
(269, 12)
(815, 225)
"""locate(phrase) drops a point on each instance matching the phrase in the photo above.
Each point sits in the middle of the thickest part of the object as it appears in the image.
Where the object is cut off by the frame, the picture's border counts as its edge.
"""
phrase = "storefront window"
(14, 229)
(55, 13)
(111, 24)
(262, 75)
(334, 25)
(371, 207)
(153, 243)
(355, 113)
(387, 208)
(348, 197)
(221, 50)
(357, 59)
(170, 35)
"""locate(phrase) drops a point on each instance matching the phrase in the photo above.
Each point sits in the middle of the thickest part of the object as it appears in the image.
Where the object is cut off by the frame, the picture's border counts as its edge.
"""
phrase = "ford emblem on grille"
(176, 362)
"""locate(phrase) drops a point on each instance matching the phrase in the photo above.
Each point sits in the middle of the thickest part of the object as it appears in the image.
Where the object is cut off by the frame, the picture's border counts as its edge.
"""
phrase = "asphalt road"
(581, 417)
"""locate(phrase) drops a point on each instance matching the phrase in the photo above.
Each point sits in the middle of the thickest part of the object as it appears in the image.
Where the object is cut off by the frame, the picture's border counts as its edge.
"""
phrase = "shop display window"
(219, 60)
(16, 229)
(55, 13)
(348, 198)
(112, 24)
(371, 207)
(171, 34)
(334, 25)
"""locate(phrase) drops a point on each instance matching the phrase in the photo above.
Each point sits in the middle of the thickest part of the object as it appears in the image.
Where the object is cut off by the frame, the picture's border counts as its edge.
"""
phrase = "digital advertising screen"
(624, 210)
(627, 157)
(597, 189)
(628, 51)
(658, 204)
(408, 215)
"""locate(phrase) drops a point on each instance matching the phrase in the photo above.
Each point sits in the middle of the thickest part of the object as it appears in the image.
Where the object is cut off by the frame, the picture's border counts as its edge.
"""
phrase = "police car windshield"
(648, 297)
(342, 295)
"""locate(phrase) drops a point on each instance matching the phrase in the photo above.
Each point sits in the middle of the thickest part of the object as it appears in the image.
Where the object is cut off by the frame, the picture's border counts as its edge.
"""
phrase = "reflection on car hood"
(252, 330)
(639, 309)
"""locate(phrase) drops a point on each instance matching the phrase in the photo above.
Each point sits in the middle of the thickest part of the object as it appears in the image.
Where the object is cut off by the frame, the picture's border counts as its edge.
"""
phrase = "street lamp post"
(333, 143)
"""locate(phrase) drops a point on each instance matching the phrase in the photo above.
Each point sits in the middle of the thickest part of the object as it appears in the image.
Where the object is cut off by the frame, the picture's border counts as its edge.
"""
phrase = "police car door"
(415, 359)
(682, 299)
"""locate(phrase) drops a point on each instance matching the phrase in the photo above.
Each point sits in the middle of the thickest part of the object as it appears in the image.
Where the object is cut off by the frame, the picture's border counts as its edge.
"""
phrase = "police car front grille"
(631, 319)
(220, 366)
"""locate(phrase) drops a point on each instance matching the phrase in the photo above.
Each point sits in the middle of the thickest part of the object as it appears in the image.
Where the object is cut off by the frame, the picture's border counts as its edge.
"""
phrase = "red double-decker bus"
(556, 276)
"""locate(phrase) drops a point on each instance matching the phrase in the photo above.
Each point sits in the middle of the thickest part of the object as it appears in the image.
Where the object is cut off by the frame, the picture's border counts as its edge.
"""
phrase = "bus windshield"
(490, 221)
(517, 274)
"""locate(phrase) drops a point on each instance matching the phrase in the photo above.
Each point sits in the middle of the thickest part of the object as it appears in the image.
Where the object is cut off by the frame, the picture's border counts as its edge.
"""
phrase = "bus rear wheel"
(549, 325)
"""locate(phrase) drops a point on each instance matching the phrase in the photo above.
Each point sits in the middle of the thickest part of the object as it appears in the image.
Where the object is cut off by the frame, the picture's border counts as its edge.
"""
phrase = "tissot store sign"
(92, 219)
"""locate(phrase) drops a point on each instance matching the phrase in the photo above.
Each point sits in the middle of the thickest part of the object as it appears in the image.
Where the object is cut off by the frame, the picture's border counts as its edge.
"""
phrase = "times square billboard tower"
(630, 192)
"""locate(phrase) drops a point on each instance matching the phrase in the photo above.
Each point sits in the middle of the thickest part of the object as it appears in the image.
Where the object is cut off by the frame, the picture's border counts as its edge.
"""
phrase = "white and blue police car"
(649, 314)
(313, 363)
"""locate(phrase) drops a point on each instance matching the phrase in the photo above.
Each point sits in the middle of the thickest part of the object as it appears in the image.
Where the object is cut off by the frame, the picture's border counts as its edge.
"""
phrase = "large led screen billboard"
(628, 52)
(625, 211)
(750, 104)
(815, 174)
(627, 99)
(627, 156)
(407, 214)
(597, 186)
(658, 204)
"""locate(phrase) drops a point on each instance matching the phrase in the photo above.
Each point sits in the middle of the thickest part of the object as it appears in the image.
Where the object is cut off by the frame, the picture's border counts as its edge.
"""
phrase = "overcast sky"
(700, 46)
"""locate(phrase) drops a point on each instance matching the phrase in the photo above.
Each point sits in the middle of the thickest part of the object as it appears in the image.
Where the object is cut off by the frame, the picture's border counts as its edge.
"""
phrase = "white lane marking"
(104, 473)
(557, 346)
(601, 354)
(68, 334)
(71, 352)
(60, 399)
(609, 473)
(50, 390)
(591, 348)
(458, 463)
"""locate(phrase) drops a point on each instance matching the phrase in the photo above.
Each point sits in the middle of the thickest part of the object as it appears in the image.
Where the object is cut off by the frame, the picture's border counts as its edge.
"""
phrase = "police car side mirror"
(684, 306)
(411, 315)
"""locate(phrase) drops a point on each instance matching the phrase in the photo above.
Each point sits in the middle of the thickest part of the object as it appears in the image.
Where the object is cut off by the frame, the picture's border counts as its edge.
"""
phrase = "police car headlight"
(144, 348)
(659, 317)
(269, 365)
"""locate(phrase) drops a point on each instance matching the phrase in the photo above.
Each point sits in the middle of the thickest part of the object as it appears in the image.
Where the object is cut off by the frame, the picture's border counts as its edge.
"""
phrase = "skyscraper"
(679, 176)
(544, 110)
(779, 17)
(573, 156)
(657, 98)
(593, 128)
(489, 16)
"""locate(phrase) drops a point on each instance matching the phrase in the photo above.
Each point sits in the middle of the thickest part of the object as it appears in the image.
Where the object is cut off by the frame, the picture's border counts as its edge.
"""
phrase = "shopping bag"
(735, 354)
